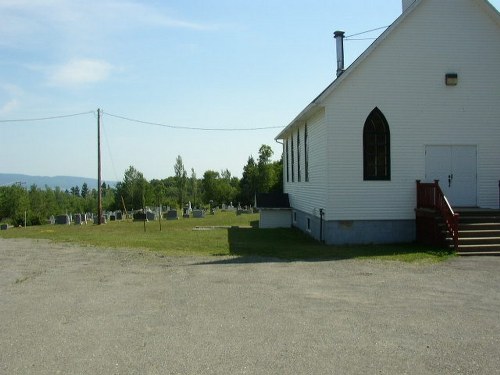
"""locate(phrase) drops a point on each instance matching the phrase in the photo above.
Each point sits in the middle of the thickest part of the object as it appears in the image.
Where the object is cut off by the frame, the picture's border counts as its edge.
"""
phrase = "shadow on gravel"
(253, 245)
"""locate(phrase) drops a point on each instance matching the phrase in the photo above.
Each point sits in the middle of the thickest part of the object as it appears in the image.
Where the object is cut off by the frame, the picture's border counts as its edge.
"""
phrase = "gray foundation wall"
(347, 232)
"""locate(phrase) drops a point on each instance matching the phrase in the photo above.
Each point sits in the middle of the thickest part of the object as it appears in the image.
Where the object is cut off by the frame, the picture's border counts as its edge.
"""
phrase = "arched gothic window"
(376, 147)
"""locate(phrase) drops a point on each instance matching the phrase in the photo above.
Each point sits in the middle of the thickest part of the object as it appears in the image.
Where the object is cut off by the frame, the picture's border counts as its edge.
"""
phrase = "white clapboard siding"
(277, 218)
(403, 75)
(404, 78)
(309, 196)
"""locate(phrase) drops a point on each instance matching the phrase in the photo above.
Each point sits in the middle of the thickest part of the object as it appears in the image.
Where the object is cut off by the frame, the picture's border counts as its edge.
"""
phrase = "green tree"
(266, 174)
(228, 187)
(249, 182)
(134, 189)
(209, 184)
(193, 187)
(108, 198)
(278, 172)
(170, 197)
(219, 187)
(265, 154)
(39, 206)
(75, 190)
(14, 202)
(85, 190)
(262, 177)
(158, 189)
(180, 181)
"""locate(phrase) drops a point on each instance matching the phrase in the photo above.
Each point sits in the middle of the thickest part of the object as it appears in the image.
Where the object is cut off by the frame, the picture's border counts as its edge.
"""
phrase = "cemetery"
(149, 215)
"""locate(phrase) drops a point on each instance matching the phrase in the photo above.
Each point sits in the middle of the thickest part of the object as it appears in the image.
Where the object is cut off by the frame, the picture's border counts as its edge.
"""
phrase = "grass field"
(221, 234)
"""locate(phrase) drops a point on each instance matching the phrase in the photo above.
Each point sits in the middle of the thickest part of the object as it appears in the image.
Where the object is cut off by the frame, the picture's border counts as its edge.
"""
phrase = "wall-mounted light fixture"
(451, 79)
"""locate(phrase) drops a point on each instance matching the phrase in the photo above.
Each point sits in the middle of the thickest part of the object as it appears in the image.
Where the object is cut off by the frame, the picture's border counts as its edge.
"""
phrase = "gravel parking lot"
(65, 309)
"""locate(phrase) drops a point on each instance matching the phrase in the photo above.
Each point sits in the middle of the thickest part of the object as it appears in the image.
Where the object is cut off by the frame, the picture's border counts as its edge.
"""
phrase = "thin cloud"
(79, 72)
(127, 12)
(24, 18)
(9, 107)
(12, 103)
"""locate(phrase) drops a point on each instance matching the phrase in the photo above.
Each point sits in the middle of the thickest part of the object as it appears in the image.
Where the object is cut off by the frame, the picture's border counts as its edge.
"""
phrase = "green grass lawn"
(224, 233)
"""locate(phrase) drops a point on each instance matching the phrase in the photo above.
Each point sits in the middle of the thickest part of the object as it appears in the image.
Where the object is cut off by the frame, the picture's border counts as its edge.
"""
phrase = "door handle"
(450, 178)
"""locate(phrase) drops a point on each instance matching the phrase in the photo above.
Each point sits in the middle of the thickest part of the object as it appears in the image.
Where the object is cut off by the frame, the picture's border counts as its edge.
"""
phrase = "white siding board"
(275, 219)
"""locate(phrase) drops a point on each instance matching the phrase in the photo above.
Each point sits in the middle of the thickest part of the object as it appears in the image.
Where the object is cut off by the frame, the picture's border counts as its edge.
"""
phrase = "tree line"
(135, 192)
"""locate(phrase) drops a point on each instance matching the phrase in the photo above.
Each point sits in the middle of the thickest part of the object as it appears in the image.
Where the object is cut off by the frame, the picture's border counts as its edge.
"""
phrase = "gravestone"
(229, 207)
(140, 216)
(172, 215)
(52, 220)
(62, 220)
(150, 216)
(198, 214)
(80, 219)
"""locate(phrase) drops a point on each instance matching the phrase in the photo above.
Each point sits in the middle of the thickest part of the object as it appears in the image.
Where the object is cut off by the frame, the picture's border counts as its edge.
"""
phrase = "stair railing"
(430, 195)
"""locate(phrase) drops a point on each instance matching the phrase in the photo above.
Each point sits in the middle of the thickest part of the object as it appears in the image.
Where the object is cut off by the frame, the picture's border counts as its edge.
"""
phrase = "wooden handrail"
(430, 195)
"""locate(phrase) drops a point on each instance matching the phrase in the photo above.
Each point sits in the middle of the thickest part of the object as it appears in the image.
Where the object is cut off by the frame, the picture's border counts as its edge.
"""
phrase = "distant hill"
(64, 182)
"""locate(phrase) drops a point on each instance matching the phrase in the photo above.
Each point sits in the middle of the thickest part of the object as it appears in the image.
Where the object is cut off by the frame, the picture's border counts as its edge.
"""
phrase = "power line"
(47, 118)
(140, 122)
(358, 39)
(190, 127)
(366, 32)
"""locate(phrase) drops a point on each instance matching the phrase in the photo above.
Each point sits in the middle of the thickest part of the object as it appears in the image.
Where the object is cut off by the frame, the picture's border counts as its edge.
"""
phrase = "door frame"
(457, 171)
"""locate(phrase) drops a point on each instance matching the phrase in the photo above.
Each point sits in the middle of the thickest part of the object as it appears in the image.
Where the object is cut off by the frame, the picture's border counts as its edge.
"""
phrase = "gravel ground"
(65, 309)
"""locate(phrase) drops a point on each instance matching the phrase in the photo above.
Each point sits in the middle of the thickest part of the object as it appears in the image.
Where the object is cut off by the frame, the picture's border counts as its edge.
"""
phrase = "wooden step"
(478, 241)
(479, 226)
(478, 253)
(477, 211)
(479, 248)
(479, 233)
(479, 216)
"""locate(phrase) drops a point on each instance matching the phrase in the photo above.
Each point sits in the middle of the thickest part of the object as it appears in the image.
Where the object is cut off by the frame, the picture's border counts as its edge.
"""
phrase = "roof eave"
(302, 116)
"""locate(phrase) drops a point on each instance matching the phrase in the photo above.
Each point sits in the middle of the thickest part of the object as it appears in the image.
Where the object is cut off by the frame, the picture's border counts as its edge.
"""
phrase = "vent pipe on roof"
(339, 38)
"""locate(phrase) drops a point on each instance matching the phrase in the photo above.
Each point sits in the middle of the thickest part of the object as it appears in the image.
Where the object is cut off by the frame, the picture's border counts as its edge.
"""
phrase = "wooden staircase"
(478, 232)
(467, 231)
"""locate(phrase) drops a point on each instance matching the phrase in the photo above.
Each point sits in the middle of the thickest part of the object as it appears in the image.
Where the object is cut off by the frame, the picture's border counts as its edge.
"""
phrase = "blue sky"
(225, 64)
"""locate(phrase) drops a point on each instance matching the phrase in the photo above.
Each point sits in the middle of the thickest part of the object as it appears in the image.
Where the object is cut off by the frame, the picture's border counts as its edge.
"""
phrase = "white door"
(456, 169)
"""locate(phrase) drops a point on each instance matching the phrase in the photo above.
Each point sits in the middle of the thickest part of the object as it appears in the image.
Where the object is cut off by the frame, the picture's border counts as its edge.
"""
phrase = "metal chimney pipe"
(339, 38)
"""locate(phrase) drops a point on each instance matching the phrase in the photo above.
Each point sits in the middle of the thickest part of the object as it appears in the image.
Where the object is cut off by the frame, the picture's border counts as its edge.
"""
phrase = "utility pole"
(99, 188)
